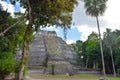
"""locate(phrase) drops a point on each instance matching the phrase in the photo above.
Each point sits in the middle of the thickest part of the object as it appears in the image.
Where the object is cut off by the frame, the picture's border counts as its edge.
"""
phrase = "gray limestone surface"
(47, 46)
(47, 49)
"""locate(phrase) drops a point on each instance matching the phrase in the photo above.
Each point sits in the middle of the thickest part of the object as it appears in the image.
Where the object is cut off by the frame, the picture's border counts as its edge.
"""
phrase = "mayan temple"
(49, 53)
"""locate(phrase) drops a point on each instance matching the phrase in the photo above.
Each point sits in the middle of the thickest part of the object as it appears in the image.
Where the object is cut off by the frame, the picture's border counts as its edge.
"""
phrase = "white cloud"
(51, 28)
(86, 30)
(4, 5)
(112, 14)
(8, 7)
(87, 24)
(11, 9)
(22, 10)
(80, 17)
(70, 41)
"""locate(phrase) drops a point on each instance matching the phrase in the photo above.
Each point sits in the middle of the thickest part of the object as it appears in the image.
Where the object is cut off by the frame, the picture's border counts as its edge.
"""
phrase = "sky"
(83, 24)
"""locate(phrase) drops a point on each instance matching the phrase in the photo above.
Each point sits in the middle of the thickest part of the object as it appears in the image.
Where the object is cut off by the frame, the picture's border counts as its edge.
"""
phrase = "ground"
(66, 77)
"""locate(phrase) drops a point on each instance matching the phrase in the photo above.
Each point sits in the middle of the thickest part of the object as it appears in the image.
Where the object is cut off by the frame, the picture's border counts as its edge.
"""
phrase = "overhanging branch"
(20, 20)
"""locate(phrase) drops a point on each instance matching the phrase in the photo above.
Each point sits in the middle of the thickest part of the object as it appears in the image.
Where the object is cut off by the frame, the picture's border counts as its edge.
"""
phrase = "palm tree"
(109, 39)
(96, 8)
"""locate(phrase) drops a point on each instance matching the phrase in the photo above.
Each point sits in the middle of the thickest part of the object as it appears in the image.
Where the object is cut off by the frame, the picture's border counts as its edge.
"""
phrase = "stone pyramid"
(47, 48)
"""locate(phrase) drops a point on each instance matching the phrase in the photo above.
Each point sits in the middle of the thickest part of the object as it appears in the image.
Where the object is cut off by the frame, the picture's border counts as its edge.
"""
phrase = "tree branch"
(21, 19)
(29, 13)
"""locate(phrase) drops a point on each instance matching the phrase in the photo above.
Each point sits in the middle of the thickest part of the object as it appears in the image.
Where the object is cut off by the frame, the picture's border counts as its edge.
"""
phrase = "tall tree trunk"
(86, 64)
(26, 42)
(101, 48)
(94, 65)
(24, 58)
(113, 65)
(108, 68)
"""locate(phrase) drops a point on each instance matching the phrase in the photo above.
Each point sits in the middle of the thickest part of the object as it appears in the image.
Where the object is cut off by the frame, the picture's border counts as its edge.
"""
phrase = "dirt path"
(29, 78)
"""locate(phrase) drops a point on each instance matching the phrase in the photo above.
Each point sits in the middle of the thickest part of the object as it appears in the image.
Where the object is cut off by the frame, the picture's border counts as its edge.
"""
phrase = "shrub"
(7, 64)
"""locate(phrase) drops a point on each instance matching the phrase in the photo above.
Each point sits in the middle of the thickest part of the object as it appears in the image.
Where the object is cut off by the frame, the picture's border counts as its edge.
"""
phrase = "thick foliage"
(49, 12)
(90, 50)
(8, 43)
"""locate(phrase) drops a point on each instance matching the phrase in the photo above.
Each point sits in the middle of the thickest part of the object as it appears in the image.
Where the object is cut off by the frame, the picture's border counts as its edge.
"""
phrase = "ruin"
(50, 54)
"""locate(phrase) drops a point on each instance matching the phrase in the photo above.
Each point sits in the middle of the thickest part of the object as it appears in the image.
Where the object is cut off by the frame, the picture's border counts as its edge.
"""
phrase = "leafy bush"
(7, 64)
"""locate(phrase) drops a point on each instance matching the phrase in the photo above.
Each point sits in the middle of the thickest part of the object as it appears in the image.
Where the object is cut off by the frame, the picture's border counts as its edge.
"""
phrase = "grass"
(75, 77)
(112, 78)
(61, 76)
